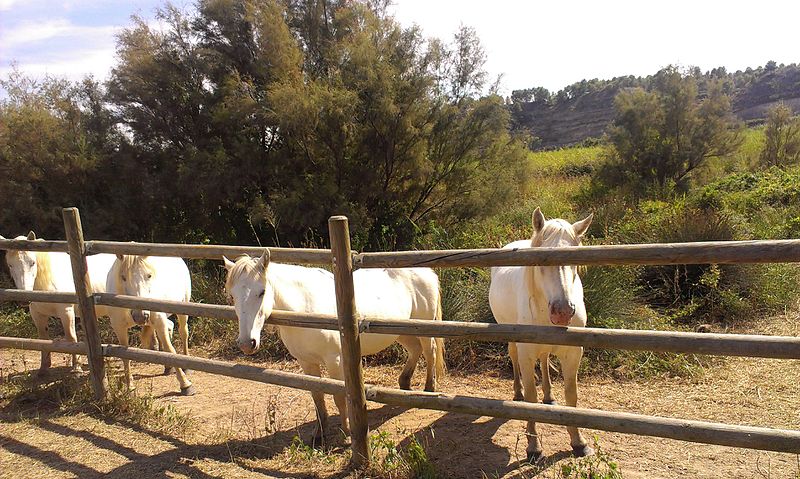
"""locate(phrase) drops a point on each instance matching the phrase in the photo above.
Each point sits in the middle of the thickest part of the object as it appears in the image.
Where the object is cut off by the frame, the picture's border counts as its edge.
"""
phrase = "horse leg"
(336, 372)
(527, 362)
(412, 345)
(146, 337)
(159, 322)
(68, 322)
(512, 353)
(183, 330)
(120, 326)
(570, 361)
(430, 351)
(313, 369)
(544, 365)
(40, 320)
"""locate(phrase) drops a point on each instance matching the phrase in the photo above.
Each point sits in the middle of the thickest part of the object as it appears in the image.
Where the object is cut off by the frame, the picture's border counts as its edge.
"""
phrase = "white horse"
(154, 277)
(544, 296)
(52, 271)
(257, 287)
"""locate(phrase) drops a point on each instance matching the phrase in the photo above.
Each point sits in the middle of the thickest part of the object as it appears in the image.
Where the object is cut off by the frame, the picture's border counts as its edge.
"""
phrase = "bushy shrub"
(703, 293)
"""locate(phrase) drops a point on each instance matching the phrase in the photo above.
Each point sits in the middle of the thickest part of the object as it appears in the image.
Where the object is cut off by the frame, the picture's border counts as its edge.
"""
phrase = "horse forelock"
(553, 232)
(244, 266)
(131, 263)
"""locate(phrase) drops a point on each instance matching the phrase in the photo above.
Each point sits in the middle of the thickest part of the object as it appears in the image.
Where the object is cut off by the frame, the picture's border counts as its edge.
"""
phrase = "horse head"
(23, 265)
(135, 278)
(253, 297)
(557, 284)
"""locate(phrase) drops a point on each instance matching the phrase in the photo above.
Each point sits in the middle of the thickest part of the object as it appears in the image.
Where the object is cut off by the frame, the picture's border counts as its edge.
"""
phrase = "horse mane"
(44, 272)
(129, 262)
(553, 230)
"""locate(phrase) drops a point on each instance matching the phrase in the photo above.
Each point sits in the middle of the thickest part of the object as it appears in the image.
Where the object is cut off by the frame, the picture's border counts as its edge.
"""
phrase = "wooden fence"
(344, 261)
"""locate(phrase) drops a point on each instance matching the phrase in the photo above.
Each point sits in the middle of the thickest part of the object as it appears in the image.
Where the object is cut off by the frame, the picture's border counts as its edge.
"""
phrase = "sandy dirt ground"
(245, 429)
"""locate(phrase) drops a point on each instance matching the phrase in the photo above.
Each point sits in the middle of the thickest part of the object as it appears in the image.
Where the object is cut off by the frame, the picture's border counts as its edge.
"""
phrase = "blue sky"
(532, 43)
(68, 38)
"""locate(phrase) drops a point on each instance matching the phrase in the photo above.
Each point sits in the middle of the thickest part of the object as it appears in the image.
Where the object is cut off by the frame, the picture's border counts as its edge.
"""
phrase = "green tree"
(46, 156)
(782, 138)
(659, 137)
(259, 119)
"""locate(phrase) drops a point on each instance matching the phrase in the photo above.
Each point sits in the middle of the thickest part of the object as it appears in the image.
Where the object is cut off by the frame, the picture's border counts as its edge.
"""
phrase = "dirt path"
(245, 429)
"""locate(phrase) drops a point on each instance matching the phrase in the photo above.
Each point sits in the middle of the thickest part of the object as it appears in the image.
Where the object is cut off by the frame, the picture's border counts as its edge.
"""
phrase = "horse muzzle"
(561, 312)
(248, 346)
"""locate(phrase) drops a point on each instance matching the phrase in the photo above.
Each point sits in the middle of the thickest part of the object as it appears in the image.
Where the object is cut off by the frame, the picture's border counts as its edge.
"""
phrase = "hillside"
(585, 109)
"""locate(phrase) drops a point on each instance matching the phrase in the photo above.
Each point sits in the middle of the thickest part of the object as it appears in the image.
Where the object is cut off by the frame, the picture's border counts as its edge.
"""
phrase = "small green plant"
(598, 466)
(299, 451)
(391, 460)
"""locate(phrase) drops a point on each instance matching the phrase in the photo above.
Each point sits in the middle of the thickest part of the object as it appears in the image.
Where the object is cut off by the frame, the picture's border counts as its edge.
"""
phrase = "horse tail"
(441, 366)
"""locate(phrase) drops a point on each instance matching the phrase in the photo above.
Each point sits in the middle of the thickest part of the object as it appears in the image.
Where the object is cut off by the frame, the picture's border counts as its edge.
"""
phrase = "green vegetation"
(598, 466)
(782, 138)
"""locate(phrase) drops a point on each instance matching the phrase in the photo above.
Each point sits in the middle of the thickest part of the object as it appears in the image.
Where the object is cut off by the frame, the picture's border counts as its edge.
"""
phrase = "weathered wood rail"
(352, 326)
(685, 430)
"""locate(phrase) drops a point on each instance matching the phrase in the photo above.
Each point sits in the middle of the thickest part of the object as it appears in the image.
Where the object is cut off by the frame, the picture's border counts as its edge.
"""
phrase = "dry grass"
(243, 429)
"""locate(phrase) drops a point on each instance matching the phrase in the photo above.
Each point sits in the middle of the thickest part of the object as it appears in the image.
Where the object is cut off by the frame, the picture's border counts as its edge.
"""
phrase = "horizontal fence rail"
(37, 296)
(708, 252)
(777, 347)
(43, 345)
(223, 368)
(778, 440)
(780, 347)
(766, 439)
(31, 245)
(285, 255)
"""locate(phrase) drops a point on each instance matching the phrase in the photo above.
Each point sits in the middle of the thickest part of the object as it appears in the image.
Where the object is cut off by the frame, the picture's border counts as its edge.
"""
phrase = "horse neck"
(282, 282)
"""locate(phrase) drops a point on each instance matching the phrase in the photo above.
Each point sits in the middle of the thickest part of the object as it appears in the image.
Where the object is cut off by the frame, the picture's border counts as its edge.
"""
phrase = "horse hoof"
(430, 388)
(168, 370)
(519, 397)
(405, 386)
(551, 402)
(188, 390)
(582, 451)
(42, 372)
(535, 456)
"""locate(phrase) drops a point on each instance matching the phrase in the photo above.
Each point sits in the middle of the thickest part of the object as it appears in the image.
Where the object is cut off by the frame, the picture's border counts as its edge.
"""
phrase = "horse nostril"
(253, 343)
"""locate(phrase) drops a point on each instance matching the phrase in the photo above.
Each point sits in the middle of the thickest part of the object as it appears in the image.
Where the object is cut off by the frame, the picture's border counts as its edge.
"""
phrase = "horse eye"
(149, 276)
(261, 294)
(124, 278)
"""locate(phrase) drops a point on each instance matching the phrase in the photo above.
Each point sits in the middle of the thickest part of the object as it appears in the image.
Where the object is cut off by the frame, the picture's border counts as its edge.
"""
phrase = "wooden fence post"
(351, 341)
(83, 290)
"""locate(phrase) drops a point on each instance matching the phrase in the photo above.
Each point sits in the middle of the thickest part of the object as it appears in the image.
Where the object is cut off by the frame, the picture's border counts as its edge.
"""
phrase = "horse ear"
(263, 261)
(538, 220)
(582, 226)
(120, 257)
(228, 263)
(31, 236)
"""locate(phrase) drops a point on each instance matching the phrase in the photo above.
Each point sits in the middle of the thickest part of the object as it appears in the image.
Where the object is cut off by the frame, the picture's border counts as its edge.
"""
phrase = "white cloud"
(7, 4)
(30, 32)
(74, 66)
